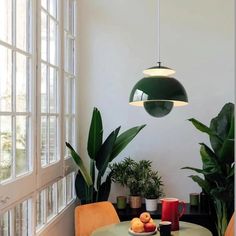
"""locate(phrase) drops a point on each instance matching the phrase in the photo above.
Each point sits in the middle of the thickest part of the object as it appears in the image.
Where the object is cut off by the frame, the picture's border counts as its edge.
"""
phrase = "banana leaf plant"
(217, 173)
(94, 185)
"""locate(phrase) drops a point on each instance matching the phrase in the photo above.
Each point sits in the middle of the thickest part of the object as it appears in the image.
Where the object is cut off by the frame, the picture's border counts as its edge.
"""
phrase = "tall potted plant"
(218, 165)
(89, 185)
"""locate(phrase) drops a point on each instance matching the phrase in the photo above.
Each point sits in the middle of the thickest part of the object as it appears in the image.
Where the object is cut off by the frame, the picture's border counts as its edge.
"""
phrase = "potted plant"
(88, 184)
(218, 165)
(124, 174)
(133, 175)
(152, 190)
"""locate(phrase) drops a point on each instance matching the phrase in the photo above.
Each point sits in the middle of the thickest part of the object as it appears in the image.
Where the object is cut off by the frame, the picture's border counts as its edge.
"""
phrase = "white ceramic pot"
(151, 204)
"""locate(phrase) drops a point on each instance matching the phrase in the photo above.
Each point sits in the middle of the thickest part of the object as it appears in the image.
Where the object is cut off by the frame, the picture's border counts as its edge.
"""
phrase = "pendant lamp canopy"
(158, 91)
(159, 70)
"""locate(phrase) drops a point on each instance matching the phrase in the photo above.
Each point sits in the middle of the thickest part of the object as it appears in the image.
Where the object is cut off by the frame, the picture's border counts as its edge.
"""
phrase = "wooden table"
(121, 229)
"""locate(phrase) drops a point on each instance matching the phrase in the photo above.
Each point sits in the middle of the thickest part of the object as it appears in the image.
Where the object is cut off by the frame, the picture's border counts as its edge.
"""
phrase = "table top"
(186, 229)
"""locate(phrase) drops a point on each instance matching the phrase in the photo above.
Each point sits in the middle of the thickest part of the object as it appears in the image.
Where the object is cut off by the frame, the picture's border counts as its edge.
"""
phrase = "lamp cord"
(158, 34)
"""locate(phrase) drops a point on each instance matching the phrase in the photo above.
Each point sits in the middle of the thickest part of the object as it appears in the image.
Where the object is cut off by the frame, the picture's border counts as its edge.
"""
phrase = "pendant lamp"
(158, 91)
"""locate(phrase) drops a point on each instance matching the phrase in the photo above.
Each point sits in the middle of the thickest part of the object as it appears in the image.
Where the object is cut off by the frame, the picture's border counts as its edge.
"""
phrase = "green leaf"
(231, 172)
(80, 164)
(200, 126)
(95, 134)
(104, 153)
(220, 193)
(124, 139)
(105, 189)
(81, 187)
(201, 182)
(203, 128)
(209, 159)
(227, 149)
(194, 169)
(223, 126)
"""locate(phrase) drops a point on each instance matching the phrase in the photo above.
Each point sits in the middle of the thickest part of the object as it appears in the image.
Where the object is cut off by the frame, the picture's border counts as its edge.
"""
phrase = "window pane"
(22, 157)
(69, 55)
(6, 147)
(44, 103)
(6, 21)
(44, 4)
(73, 95)
(71, 16)
(40, 211)
(5, 224)
(51, 201)
(53, 90)
(69, 187)
(5, 78)
(61, 194)
(21, 220)
(53, 42)
(70, 95)
(69, 131)
(22, 81)
(66, 95)
(53, 8)
(52, 139)
(44, 36)
(43, 140)
(23, 34)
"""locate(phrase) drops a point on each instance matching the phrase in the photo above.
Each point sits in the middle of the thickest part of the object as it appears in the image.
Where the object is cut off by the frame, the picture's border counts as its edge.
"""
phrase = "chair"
(230, 228)
(91, 216)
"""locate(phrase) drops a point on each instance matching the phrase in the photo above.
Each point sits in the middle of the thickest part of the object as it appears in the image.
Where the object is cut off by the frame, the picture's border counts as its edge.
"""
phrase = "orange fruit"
(137, 226)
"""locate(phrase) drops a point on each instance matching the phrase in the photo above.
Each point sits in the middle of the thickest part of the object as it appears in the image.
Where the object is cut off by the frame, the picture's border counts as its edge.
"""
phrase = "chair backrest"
(91, 216)
(230, 228)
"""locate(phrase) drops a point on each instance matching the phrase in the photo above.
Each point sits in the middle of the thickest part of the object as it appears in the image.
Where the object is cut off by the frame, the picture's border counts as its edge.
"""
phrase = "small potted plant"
(124, 173)
(133, 175)
(152, 190)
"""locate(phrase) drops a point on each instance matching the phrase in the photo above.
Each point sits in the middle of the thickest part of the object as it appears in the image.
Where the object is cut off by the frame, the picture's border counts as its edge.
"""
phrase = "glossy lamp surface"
(158, 89)
(158, 109)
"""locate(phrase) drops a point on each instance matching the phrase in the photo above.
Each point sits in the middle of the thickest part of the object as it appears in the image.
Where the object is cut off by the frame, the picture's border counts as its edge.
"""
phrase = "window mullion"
(62, 79)
(14, 115)
(12, 222)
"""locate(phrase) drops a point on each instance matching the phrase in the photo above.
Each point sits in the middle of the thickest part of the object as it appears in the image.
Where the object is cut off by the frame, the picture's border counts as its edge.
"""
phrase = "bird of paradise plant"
(89, 185)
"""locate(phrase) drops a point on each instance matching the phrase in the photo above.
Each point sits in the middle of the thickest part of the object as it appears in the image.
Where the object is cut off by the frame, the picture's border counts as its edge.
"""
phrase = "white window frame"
(10, 190)
(27, 186)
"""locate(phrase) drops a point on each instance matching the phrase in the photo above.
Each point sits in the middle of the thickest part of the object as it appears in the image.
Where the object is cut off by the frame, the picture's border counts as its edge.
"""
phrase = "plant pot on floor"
(151, 204)
(135, 202)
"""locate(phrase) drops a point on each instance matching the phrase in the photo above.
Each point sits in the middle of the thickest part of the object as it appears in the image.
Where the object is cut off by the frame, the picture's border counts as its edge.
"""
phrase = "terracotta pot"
(135, 202)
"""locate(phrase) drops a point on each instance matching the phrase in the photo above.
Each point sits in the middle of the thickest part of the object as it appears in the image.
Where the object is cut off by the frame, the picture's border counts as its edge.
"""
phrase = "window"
(52, 200)
(49, 82)
(15, 93)
(37, 112)
(70, 71)
(17, 221)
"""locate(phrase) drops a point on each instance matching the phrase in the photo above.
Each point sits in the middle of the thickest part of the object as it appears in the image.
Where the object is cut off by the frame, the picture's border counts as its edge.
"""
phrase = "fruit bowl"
(144, 225)
(143, 233)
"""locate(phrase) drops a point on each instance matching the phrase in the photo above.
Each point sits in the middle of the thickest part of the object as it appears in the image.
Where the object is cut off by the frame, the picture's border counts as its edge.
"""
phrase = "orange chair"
(230, 228)
(91, 216)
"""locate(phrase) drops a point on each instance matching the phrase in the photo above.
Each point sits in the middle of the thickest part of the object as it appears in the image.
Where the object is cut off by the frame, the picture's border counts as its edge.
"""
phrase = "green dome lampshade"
(158, 94)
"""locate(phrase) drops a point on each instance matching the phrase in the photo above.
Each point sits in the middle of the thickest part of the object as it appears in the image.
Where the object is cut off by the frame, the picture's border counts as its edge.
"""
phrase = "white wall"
(118, 40)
